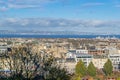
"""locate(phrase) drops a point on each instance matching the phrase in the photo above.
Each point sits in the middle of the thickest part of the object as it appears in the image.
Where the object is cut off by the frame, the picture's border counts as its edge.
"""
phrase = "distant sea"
(56, 36)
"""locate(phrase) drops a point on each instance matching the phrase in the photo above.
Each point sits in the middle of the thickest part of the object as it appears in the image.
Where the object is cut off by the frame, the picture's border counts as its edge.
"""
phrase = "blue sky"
(61, 15)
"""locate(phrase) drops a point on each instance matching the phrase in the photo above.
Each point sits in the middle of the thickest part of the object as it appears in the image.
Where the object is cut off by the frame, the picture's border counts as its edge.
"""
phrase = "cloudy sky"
(101, 16)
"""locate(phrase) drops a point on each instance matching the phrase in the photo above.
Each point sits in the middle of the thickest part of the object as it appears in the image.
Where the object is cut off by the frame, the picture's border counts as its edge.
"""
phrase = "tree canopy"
(108, 68)
(91, 69)
(81, 68)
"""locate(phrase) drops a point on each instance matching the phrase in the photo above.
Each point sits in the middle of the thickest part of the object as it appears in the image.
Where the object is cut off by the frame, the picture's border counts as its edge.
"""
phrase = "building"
(99, 62)
(86, 58)
(83, 51)
(113, 50)
(115, 59)
(3, 50)
(69, 66)
(71, 54)
(77, 55)
(96, 52)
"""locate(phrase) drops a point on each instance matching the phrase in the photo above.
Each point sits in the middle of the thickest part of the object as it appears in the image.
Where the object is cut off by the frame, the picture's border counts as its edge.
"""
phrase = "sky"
(97, 16)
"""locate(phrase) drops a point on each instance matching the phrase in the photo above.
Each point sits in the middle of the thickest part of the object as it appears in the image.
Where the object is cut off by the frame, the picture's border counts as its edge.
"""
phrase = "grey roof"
(81, 55)
(72, 51)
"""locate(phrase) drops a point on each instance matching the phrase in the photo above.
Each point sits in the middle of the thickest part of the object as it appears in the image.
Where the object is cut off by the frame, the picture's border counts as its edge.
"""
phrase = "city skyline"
(98, 16)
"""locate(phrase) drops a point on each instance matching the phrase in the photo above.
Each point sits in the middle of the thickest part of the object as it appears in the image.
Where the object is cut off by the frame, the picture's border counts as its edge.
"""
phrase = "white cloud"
(92, 4)
(17, 6)
(50, 24)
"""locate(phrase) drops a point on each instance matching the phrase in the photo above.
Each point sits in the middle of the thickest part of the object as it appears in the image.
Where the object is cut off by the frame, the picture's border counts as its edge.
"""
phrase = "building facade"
(78, 55)
(115, 59)
(99, 62)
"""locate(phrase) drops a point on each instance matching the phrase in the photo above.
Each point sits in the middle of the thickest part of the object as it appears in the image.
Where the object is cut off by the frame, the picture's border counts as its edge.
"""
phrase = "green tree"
(81, 68)
(91, 69)
(118, 78)
(78, 78)
(108, 68)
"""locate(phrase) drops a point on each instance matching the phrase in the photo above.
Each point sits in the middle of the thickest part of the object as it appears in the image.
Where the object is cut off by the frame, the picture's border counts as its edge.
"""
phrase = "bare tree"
(24, 64)
(21, 61)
